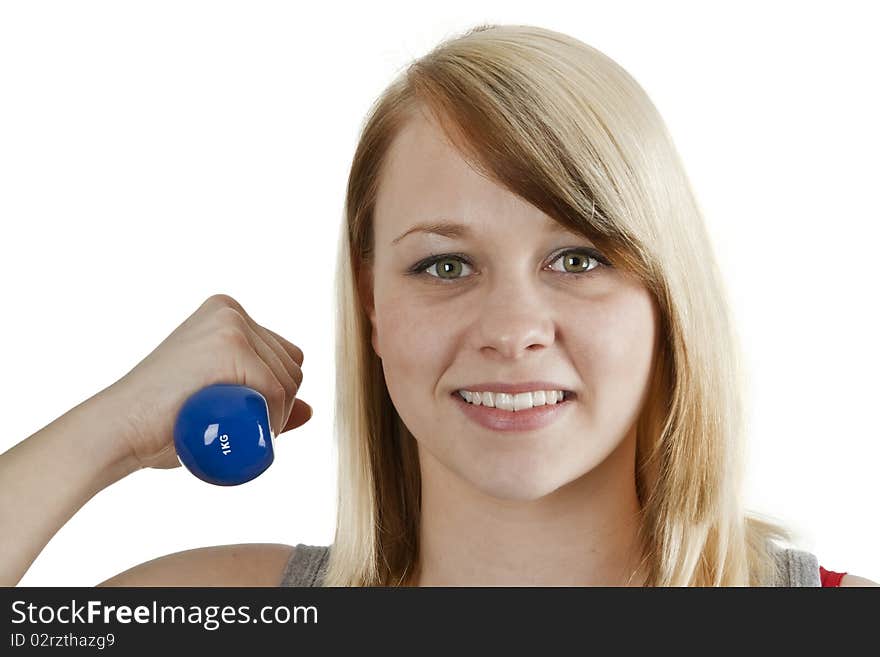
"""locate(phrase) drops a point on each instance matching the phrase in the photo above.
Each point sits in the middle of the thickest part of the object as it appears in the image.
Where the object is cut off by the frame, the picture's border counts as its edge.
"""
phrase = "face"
(517, 298)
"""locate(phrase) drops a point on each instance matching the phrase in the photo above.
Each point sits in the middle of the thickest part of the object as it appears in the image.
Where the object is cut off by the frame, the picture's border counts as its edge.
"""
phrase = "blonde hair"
(563, 126)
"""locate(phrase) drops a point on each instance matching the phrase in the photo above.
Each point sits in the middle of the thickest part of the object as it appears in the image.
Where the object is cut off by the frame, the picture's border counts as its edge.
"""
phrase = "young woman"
(538, 380)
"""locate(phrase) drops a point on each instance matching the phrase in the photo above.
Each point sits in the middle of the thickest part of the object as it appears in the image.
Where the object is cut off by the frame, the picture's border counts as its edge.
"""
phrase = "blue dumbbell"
(222, 434)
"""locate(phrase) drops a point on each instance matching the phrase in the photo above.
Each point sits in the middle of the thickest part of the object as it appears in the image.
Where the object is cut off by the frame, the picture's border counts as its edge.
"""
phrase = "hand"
(218, 343)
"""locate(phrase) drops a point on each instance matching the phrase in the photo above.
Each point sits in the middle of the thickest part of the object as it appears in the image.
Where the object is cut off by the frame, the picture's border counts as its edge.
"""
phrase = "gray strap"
(306, 566)
(796, 568)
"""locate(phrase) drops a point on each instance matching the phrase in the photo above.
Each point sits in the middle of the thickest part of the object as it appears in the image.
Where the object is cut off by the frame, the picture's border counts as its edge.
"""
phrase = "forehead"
(426, 180)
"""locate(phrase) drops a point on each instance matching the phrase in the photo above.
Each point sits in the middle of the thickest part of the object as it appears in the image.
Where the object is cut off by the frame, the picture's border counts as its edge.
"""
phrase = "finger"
(294, 351)
(272, 362)
(300, 414)
(258, 375)
(292, 367)
(289, 354)
(281, 362)
(290, 385)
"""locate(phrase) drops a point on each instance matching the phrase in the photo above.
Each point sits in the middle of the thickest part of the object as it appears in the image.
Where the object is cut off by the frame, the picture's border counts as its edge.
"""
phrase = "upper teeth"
(517, 402)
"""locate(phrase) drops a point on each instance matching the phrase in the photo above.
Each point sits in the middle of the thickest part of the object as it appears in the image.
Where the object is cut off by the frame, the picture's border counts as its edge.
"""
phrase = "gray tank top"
(308, 565)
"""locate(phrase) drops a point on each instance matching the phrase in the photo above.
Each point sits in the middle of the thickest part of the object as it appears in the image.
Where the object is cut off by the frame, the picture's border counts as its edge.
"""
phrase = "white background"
(155, 153)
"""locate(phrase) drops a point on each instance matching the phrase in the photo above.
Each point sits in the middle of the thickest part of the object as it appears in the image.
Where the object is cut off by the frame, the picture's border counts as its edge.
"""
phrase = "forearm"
(46, 478)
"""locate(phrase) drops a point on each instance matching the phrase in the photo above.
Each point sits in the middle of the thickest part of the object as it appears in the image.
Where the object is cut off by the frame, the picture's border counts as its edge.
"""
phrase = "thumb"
(299, 415)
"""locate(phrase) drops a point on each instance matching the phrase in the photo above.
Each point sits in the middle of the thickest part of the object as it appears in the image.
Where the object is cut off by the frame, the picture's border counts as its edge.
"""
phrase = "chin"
(518, 489)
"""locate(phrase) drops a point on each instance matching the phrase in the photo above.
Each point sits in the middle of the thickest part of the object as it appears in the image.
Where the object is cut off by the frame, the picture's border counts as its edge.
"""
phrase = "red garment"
(829, 577)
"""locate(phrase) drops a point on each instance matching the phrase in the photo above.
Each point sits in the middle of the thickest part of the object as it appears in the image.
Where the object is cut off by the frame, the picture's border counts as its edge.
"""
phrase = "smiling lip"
(513, 388)
(497, 419)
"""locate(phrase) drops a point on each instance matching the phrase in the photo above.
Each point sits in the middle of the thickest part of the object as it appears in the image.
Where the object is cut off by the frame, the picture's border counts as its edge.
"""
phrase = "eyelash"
(420, 267)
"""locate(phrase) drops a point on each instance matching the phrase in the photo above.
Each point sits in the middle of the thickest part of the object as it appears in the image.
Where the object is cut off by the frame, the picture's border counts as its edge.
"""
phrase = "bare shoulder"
(853, 580)
(243, 564)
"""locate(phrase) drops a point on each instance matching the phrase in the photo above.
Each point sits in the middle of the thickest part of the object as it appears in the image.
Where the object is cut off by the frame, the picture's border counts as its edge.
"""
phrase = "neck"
(584, 533)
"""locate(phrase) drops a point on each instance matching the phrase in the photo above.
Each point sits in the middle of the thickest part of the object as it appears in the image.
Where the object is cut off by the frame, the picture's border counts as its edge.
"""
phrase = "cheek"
(416, 347)
(406, 330)
(413, 341)
(615, 345)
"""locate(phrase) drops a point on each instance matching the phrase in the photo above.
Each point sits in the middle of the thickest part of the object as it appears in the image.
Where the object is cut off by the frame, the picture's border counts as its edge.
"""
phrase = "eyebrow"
(452, 229)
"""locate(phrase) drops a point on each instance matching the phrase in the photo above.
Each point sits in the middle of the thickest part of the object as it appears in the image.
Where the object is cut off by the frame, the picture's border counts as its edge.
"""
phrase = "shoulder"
(854, 580)
(243, 564)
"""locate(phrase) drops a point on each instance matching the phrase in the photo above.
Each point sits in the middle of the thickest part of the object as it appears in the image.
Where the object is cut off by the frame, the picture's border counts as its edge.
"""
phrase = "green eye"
(447, 268)
(578, 262)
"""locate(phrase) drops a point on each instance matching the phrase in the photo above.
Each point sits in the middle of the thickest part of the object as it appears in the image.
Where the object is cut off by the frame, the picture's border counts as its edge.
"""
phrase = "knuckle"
(228, 316)
(217, 301)
(214, 301)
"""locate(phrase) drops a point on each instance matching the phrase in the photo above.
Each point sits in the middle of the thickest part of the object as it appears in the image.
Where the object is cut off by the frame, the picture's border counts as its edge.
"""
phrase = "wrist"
(106, 435)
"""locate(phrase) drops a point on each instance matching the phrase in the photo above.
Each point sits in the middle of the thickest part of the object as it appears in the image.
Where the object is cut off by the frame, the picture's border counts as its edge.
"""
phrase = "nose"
(515, 317)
